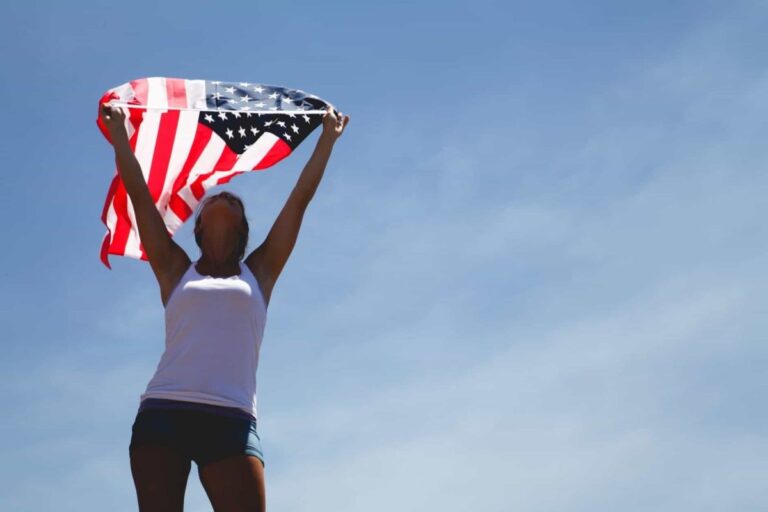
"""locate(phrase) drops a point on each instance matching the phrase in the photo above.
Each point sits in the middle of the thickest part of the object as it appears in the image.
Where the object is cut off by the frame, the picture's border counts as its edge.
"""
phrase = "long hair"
(243, 242)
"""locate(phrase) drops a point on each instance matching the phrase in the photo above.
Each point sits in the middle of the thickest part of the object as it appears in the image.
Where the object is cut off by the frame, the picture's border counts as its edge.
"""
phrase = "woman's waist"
(168, 403)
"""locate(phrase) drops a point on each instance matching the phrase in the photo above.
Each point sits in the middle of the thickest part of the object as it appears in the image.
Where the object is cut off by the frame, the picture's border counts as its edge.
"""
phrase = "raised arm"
(167, 259)
(267, 260)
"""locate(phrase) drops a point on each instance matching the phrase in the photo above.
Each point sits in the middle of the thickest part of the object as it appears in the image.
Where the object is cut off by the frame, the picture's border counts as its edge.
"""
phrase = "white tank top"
(213, 332)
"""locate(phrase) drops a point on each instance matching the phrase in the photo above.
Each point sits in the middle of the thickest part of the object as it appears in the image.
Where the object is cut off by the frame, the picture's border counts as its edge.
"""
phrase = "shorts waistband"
(166, 403)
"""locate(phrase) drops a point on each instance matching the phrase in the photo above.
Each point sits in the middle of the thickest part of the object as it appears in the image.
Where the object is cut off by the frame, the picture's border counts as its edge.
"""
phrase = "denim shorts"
(199, 432)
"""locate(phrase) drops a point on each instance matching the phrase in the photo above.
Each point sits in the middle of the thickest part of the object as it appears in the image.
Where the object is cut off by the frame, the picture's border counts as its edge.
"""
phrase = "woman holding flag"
(196, 407)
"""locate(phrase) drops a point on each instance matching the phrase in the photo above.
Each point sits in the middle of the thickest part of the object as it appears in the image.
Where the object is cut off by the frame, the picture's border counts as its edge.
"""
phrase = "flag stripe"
(279, 151)
(145, 149)
(195, 95)
(224, 163)
(180, 207)
(245, 162)
(176, 93)
(208, 158)
(183, 148)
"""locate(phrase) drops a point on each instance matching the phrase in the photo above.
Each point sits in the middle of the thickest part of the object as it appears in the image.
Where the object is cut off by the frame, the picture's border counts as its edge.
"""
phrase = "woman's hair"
(244, 226)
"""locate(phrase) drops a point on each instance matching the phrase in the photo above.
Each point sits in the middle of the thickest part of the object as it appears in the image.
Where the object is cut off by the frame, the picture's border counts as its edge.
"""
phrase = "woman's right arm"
(167, 259)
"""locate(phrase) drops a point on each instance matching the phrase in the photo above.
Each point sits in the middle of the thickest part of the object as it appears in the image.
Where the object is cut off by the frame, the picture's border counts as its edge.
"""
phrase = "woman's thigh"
(160, 476)
(235, 484)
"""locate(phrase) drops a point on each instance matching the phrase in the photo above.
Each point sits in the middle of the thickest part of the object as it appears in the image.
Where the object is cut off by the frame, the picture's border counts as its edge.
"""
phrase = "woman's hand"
(114, 119)
(333, 125)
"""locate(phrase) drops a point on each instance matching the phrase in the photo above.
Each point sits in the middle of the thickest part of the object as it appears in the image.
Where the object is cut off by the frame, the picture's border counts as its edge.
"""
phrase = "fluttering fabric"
(191, 135)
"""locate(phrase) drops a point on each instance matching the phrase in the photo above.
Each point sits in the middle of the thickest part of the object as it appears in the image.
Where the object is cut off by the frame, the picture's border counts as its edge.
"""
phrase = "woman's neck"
(213, 268)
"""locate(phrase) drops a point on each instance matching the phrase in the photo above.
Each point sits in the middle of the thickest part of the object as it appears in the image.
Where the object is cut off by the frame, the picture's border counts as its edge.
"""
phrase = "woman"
(201, 404)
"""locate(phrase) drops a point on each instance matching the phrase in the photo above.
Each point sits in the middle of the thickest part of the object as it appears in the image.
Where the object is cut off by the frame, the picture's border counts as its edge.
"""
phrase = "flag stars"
(241, 131)
(209, 118)
(287, 99)
(236, 114)
(230, 133)
(230, 90)
(254, 130)
(281, 124)
(223, 115)
(287, 136)
(273, 96)
(295, 128)
(306, 117)
(245, 99)
(259, 89)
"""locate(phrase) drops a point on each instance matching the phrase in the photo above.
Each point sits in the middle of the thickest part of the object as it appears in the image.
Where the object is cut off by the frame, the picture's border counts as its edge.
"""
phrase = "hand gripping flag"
(190, 135)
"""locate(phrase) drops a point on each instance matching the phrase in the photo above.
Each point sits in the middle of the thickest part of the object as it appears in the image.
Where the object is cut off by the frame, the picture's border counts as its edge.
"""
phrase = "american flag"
(190, 135)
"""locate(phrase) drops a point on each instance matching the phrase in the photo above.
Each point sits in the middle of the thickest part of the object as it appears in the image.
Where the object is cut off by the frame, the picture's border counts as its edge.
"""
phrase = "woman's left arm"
(267, 260)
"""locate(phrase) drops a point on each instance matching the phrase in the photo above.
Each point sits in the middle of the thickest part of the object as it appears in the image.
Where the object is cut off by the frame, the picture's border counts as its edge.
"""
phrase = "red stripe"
(226, 161)
(104, 249)
(166, 134)
(200, 141)
(278, 151)
(225, 179)
(176, 89)
(108, 236)
(122, 226)
(180, 207)
(110, 195)
(176, 95)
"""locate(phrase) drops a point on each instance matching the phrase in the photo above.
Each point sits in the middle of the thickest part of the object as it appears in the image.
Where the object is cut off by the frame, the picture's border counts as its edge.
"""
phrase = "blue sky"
(532, 278)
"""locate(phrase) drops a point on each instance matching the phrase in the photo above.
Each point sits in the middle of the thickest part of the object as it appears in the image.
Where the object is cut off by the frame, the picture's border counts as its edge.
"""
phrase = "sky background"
(532, 278)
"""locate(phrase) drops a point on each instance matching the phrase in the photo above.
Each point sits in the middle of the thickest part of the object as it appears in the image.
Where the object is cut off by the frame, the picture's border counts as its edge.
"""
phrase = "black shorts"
(203, 436)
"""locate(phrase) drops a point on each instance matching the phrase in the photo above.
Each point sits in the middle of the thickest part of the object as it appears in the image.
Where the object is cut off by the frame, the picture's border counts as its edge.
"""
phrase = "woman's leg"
(160, 476)
(235, 484)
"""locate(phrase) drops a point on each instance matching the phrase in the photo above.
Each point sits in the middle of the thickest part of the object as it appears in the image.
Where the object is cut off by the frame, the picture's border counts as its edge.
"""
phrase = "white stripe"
(145, 149)
(256, 153)
(172, 221)
(248, 160)
(195, 94)
(204, 164)
(111, 219)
